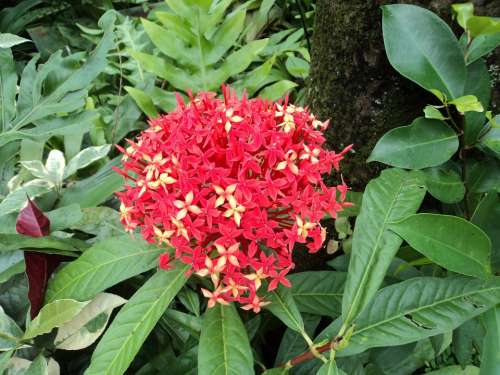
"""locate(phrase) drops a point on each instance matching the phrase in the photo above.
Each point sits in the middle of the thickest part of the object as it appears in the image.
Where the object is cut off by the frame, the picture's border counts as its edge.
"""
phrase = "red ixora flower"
(231, 184)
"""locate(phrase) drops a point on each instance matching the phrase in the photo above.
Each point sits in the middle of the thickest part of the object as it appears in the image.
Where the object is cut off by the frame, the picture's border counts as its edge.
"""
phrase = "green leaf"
(10, 333)
(418, 308)
(483, 176)
(297, 67)
(103, 265)
(4, 359)
(8, 89)
(433, 63)
(292, 343)
(10, 242)
(478, 84)
(226, 36)
(463, 11)
(11, 263)
(15, 200)
(86, 327)
(480, 25)
(444, 184)
(490, 354)
(143, 101)
(10, 40)
(392, 196)
(224, 345)
(53, 315)
(425, 143)
(481, 46)
(135, 321)
(37, 367)
(432, 112)
(277, 90)
(491, 140)
(95, 189)
(330, 368)
(456, 370)
(85, 158)
(450, 241)
(318, 292)
(284, 308)
(487, 216)
(467, 103)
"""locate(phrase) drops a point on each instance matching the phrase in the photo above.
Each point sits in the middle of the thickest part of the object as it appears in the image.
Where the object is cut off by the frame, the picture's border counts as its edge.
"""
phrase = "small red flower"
(232, 184)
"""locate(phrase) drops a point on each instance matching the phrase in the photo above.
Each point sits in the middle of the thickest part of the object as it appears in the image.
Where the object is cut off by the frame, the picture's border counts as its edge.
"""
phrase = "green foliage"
(224, 345)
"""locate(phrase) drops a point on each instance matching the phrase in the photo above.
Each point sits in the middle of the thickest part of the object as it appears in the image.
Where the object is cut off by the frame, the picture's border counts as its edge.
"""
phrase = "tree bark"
(353, 84)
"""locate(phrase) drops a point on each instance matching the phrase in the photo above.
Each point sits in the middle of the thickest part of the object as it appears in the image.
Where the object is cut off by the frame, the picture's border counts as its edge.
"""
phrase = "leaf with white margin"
(55, 166)
(36, 168)
(85, 158)
(17, 199)
(86, 327)
(53, 315)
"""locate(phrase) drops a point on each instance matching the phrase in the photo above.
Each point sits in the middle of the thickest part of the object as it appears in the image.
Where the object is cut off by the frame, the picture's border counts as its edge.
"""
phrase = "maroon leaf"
(32, 222)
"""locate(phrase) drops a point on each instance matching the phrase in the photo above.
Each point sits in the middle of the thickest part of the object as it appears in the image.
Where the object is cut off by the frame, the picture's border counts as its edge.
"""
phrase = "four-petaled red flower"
(232, 184)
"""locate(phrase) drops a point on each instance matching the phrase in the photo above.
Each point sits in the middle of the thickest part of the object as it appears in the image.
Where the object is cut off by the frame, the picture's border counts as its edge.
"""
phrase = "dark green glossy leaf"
(444, 184)
(283, 306)
(393, 196)
(435, 63)
(318, 292)
(450, 241)
(425, 143)
(487, 216)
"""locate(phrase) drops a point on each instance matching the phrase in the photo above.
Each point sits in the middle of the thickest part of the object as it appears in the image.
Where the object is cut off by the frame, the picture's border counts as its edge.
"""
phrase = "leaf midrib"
(140, 322)
(287, 311)
(100, 265)
(372, 255)
(406, 312)
(428, 60)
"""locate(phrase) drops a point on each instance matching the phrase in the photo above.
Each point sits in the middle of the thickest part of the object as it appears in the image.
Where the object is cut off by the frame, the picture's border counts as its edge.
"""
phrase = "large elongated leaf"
(318, 292)
(134, 322)
(8, 80)
(425, 143)
(490, 361)
(283, 306)
(49, 244)
(418, 308)
(53, 315)
(450, 241)
(103, 265)
(393, 196)
(224, 346)
(435, 63)
(487, 216)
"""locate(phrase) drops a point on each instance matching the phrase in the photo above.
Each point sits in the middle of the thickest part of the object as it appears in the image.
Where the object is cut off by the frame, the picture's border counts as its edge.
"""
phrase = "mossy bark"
(353, 84)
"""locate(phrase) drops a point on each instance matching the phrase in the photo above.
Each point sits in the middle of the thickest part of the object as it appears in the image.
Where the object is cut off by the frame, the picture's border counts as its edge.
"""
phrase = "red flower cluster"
(232, 185)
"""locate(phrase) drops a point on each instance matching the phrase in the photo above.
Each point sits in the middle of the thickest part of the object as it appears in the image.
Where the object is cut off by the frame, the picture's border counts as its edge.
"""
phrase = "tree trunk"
(353, 84)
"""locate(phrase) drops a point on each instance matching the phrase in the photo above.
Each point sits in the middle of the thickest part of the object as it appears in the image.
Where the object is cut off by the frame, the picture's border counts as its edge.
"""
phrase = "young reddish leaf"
(39, 267)
(32, 222)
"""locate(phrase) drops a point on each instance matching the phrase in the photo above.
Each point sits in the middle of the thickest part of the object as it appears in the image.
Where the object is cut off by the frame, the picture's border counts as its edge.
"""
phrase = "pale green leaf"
(88, 324)
(10, 333)
(53, 315)
(10, 40)
(85, 158)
